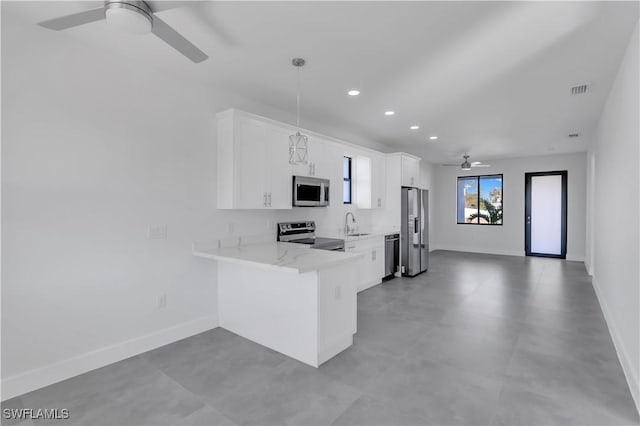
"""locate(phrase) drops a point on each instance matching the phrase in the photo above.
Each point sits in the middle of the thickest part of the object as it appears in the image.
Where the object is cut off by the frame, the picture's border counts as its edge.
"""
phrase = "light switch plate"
(157, 232)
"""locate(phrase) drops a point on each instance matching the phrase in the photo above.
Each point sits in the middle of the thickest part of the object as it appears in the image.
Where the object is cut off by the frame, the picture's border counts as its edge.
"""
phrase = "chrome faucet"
(347, 229)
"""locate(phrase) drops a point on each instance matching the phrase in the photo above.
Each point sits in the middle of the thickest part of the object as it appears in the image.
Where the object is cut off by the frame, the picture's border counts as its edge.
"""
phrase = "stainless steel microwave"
(310, 192)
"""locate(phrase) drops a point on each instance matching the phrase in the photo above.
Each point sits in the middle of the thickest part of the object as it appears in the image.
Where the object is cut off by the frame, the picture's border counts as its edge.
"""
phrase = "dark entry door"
(546, 214)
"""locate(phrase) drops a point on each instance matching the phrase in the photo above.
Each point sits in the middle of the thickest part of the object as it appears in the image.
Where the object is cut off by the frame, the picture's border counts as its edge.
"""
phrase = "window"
(346, 185)
(480, 200)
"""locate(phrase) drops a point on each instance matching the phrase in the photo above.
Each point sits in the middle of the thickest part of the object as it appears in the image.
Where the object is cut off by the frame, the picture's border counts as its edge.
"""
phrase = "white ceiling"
(491, 79)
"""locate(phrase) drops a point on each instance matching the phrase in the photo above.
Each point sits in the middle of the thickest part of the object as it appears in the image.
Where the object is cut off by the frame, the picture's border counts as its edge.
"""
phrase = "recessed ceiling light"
(389, 112)
(414, 127)
(353, 92)
(433, 138)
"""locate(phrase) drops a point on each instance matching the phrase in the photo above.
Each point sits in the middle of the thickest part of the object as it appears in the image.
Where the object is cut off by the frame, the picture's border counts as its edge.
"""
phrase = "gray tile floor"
(477, 340)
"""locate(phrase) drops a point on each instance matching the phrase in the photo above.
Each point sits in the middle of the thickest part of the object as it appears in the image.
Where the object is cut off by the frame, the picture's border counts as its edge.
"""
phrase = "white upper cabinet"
(410, 170)
(279, 176)
(370, 181)
(316, 164)
(254, 170)
(378, 181)
(362, 179)
(253, 163)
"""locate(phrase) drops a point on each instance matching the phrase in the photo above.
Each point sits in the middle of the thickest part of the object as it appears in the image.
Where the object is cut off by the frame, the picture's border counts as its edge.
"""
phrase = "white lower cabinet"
(371, 265)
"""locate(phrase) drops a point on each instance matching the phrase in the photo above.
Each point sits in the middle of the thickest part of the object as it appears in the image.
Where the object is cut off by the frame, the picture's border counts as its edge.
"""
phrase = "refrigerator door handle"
(416, 225)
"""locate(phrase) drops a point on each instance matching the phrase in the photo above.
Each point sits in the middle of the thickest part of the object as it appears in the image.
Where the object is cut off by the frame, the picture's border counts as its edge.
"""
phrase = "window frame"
(478, 178)
(348, 179)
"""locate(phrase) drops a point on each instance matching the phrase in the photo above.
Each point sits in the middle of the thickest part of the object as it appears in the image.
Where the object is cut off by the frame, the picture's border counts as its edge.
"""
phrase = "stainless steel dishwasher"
(391, 254)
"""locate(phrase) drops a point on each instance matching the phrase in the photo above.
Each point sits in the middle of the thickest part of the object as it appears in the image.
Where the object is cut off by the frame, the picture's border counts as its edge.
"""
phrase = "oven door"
(310, 192)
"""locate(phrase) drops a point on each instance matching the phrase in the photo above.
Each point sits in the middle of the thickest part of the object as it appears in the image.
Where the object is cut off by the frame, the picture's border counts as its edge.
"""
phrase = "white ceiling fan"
(466, 165)
(135, 16)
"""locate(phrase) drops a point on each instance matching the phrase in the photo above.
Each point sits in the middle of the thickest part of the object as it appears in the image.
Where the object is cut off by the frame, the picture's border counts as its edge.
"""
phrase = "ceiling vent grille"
(580, 89)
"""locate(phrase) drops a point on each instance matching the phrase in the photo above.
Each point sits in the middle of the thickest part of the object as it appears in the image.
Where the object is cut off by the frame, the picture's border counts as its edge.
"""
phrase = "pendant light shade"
(298, 148)
(298, 143)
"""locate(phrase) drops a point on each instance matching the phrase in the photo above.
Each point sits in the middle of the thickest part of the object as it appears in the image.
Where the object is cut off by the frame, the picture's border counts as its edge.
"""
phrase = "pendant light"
(298, 143)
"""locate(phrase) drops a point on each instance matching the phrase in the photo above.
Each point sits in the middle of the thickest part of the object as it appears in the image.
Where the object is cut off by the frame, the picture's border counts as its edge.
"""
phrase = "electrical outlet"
(157, 232)
(162, 301)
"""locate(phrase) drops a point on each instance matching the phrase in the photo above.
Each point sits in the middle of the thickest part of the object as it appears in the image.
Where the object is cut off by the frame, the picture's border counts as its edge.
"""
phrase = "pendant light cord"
(298, 102)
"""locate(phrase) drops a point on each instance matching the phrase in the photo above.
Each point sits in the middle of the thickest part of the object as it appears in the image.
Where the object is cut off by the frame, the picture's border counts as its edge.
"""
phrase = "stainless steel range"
(305, 233)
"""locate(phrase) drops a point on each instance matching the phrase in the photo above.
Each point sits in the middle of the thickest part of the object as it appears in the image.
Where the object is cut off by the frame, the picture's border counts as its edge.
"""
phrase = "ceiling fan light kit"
(133, 17)
(465, 164)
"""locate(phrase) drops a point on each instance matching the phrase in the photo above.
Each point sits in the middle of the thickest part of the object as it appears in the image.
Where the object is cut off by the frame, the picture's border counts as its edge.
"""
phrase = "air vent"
(580, 89)
(574, 135)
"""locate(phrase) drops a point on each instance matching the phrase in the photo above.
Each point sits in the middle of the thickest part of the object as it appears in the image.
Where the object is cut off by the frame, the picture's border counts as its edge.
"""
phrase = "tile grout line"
(196, 396)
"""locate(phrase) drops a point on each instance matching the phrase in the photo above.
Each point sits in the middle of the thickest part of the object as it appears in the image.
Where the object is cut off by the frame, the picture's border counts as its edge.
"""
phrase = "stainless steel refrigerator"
(414, 232)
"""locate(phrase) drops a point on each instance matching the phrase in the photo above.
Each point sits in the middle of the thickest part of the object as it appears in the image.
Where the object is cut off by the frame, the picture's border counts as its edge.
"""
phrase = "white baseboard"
(479, 250)
(570, 256)
(627, 365)
(368, 285)
(575, 257)
(37, 378)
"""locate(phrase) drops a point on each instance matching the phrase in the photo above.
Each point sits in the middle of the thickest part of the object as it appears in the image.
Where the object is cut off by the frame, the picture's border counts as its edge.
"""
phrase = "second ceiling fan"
(466, 165)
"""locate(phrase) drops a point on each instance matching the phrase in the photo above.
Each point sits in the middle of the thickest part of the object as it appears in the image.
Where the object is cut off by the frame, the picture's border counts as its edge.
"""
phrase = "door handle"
(416, 227)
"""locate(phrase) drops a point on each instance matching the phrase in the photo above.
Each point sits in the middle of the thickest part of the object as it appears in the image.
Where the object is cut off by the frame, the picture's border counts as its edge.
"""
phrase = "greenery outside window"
(480, 200)
(346, 185)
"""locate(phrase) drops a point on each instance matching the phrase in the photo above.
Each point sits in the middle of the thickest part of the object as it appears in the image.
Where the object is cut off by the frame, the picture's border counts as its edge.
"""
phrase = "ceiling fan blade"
(74, 20)
(175, 40)
(160, 5)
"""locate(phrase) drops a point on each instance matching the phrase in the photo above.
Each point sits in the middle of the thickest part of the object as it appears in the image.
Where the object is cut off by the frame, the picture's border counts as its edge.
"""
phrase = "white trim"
(575, 257)
(368, 285)
(292, 128)
(627, 366)
(570, 257)
(479, 250)
(43, 376)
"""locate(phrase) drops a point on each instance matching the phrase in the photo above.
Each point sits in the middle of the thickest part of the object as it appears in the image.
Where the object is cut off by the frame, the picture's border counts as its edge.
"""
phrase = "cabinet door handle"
(269, 199)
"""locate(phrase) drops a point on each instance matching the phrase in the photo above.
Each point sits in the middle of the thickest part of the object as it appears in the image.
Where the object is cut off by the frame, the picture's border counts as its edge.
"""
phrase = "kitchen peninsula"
(290, 298)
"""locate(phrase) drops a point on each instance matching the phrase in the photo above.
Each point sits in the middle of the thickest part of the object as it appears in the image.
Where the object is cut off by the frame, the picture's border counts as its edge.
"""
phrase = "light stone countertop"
(285, 257)
(369, 234)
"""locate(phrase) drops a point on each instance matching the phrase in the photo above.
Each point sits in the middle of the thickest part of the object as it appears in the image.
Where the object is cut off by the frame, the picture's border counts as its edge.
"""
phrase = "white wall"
(615, 228)
(95, 148)
(509, 238)
(427, 178)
